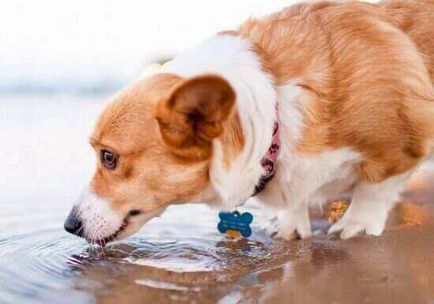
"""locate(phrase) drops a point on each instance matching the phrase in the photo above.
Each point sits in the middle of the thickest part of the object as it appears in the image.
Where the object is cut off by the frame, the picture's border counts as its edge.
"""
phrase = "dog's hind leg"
(370, 206)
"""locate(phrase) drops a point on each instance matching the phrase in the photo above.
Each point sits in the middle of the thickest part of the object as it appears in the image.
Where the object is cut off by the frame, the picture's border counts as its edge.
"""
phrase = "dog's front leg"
(294, 222)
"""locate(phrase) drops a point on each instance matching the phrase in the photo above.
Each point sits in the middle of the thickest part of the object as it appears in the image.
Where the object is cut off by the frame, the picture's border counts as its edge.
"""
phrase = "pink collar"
(268, 162)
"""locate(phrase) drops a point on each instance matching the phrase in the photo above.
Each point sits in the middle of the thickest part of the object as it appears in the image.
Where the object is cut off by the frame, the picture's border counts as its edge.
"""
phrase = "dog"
(296, 108)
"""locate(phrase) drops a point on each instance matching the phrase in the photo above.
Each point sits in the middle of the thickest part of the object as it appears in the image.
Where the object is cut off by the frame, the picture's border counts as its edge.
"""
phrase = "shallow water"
(180, 257)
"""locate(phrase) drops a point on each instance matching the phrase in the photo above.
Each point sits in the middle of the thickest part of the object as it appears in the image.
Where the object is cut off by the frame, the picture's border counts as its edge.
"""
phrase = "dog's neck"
(234, 174)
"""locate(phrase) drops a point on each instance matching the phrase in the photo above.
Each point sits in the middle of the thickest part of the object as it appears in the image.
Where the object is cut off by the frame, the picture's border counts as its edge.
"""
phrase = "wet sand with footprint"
(181, 257)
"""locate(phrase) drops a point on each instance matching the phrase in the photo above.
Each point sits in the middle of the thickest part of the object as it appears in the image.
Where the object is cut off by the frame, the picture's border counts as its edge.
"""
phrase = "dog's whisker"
(102, 245)
(80, 230)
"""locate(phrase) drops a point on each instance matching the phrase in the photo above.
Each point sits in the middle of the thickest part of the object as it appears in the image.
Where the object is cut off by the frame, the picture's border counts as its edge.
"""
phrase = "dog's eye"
(109, 159)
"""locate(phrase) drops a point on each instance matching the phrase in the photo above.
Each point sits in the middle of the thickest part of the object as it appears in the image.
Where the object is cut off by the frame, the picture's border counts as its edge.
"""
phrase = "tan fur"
(147, 169)
(365, 80)
(195, 113)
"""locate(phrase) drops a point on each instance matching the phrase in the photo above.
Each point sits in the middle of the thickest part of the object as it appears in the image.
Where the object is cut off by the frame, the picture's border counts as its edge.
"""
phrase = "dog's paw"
(271, 227)
(282, 227)
(350, 225)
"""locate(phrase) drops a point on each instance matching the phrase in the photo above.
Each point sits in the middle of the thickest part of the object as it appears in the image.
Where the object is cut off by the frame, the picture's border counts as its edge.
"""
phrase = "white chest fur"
(303, 180)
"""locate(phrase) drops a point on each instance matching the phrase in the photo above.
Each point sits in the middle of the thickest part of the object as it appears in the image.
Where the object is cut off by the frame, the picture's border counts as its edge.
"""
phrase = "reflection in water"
(174, 259)
(161, 271)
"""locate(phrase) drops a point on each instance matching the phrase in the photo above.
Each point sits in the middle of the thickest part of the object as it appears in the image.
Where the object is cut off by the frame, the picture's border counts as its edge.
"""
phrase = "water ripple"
(49, 266)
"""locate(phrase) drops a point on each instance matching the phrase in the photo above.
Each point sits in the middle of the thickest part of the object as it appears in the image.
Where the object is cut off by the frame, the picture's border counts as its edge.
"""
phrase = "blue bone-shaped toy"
(234, 221)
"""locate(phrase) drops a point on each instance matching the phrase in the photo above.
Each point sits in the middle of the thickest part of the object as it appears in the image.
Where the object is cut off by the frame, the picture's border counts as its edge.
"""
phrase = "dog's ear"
(195, 113)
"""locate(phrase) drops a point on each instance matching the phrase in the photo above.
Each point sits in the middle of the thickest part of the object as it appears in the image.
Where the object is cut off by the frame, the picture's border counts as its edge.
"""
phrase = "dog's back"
(416, 18)
(358, 63)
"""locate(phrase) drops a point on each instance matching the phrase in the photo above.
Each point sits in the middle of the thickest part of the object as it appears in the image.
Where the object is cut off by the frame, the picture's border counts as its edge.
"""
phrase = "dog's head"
(153, 145)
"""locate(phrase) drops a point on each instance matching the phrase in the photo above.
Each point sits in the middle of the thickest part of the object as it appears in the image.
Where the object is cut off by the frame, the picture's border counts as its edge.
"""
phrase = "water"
(171, 255)
(179, 257)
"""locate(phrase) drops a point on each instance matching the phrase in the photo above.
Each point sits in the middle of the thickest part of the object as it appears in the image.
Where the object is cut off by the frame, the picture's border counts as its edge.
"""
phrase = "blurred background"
(85, 47)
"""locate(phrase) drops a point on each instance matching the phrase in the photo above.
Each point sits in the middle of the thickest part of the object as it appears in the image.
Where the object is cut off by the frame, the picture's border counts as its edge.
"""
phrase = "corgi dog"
(296, 108)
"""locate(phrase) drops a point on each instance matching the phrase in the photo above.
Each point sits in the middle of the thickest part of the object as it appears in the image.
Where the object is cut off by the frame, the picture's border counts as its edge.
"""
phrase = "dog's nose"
(73, 224)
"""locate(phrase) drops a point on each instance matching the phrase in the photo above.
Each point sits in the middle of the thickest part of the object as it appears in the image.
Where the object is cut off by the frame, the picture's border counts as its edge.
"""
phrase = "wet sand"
(180, 257)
